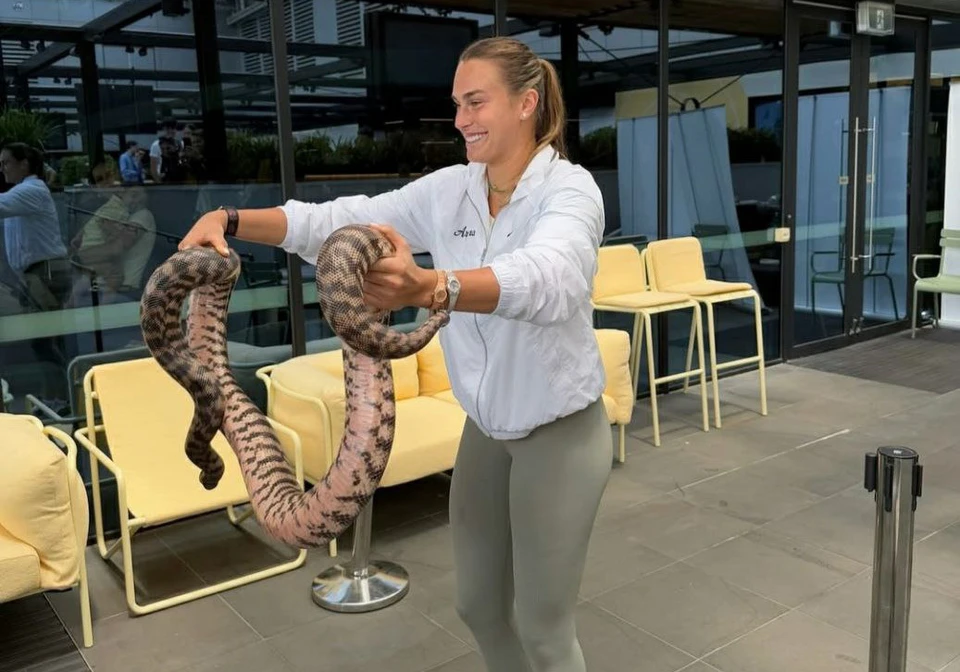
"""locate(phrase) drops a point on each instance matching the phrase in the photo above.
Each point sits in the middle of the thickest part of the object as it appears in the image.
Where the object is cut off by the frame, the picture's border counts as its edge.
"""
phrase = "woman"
(515, 235)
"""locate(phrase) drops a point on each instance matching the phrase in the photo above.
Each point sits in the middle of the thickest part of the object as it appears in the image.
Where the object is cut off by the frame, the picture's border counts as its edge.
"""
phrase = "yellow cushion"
(19, 568)
(426, 439)
(406, 384)
(432, 368)
(35, 499)
(447, 396)
(675, 261)
(710, 287)
(643, 299)
(619, 271)
(146, 414)
(614, 347)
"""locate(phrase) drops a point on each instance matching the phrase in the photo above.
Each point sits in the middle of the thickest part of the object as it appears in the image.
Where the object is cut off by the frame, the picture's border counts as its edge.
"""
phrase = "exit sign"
(875, 18)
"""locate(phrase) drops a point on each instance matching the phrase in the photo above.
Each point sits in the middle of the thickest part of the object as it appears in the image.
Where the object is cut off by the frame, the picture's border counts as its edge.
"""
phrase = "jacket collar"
(532, 177)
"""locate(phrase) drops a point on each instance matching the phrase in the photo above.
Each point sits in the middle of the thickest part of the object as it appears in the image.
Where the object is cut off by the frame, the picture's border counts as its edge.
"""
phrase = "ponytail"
(551, 112)
(522, 69)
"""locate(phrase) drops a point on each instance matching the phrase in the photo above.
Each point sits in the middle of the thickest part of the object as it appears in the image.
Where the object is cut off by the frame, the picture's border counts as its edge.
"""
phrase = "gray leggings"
(521, 514)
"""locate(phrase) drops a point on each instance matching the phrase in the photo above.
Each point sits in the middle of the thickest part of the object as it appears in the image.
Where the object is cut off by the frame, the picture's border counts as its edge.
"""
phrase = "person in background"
(131, 170)
(164, 151)
(36, 252)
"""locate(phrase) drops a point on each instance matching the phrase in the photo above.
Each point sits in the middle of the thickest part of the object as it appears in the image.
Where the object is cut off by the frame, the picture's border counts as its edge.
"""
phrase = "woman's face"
(493, 122)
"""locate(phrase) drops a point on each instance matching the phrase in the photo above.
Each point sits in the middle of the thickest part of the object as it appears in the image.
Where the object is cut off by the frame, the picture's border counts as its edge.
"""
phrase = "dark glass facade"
(787, 142)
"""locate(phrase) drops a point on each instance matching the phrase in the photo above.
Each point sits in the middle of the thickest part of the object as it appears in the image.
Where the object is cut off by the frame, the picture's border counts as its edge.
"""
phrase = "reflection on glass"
(824, 181)
(725, 134)
(131, 149)
(886, 265)
(613, 111)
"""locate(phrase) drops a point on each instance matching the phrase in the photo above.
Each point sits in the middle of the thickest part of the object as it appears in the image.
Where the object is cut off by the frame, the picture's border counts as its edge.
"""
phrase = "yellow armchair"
(145, 415)
(43, 514)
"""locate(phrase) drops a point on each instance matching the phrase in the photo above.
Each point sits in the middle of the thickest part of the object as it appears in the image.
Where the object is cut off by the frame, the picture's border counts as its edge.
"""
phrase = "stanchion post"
(895, 477)
(361, 584)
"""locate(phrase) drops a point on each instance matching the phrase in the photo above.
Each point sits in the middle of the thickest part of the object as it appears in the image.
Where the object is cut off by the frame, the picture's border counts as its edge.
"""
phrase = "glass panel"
(726, 94)
(886, 264)
(127, 167)
(824, 180)
(613, 129)
(368, 114)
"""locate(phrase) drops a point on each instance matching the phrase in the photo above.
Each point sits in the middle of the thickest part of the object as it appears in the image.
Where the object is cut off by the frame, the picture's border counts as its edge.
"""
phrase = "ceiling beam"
(117, 18)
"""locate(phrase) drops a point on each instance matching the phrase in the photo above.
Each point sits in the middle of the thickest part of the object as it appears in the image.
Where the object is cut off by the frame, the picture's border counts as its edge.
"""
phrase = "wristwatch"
(453, 290)
(446, 292)
(233, 219)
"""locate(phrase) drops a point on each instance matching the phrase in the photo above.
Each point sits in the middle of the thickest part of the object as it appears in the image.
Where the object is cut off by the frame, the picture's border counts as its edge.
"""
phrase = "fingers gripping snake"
(197, 360)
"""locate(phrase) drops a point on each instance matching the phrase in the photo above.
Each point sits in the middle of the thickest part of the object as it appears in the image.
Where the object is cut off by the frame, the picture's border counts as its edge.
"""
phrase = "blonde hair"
(522, 69)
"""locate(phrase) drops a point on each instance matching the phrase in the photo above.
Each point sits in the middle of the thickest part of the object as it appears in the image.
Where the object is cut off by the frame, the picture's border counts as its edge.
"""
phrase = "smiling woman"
(514, 237)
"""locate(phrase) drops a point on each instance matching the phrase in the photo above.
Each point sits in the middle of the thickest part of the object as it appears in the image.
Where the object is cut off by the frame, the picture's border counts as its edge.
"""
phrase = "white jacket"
(535, 358)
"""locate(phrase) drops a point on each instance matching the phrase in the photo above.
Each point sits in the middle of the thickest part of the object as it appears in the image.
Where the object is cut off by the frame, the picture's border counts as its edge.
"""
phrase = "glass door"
(851, 179)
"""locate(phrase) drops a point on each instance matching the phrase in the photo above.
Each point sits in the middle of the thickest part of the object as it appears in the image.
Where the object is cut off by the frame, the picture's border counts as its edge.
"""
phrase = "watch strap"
(439, 292)
(233, 220)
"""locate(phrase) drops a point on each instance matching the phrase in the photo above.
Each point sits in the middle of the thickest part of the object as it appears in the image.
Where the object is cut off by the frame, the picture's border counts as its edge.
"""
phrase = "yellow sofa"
(306, 394)
(43, 514)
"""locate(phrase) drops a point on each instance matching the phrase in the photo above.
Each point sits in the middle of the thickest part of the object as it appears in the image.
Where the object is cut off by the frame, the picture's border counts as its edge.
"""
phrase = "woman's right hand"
(208, 231)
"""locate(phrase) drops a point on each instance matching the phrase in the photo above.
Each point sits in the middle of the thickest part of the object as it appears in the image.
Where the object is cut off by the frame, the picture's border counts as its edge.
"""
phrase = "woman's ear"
(528, 105)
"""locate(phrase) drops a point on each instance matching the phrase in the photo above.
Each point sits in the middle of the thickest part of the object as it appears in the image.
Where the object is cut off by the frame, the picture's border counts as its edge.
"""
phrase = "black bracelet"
(233, 220)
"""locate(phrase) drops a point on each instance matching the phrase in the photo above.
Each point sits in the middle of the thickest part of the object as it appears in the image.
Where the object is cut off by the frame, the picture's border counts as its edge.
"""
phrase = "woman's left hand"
(397, 282)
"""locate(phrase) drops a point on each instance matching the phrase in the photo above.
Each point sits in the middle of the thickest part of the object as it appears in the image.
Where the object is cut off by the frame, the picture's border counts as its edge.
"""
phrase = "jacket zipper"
(476, 320)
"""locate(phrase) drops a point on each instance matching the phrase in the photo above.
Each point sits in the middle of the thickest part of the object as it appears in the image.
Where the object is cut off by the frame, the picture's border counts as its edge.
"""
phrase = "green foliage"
(19, 125)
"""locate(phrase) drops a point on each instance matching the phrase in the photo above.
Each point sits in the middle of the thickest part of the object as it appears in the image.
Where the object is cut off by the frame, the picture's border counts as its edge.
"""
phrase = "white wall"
(951, 206)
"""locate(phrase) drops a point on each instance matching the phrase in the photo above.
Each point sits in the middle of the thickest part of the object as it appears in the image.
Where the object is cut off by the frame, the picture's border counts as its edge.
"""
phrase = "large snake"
(198, 362)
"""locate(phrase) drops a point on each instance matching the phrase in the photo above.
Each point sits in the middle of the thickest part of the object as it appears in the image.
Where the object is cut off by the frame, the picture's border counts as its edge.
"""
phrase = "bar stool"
(620, 285)
(676, 265)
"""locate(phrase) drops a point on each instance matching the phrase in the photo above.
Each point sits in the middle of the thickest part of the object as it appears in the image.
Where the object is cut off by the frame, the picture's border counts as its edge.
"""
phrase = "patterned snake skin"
(198, 362)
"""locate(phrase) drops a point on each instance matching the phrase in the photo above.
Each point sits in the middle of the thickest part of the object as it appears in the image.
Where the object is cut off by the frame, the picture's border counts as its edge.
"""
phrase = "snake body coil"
(198, 362)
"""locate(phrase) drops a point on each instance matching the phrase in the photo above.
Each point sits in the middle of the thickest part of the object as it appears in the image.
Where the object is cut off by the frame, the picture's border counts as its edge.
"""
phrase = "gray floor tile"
(425, 551)
(170, 639)
(934, 617)
(258, 657)
(622, 492)
(782, 569)
(688, 608)
(282, 602)
(937, 556)
(823, 472)
(158, 574)
(749, 496)
(610, 645)
(675, 527)
(397, 638)
(842, 524)
(217, 550)
(616, 557)
(470, 662)
(796, 643)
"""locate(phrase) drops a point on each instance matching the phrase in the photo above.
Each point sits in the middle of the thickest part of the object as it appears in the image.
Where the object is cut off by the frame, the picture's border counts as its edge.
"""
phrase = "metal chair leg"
(361, 584)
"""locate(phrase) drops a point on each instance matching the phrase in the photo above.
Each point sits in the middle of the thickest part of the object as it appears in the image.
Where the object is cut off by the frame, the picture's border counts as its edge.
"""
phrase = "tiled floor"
(745, 549)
